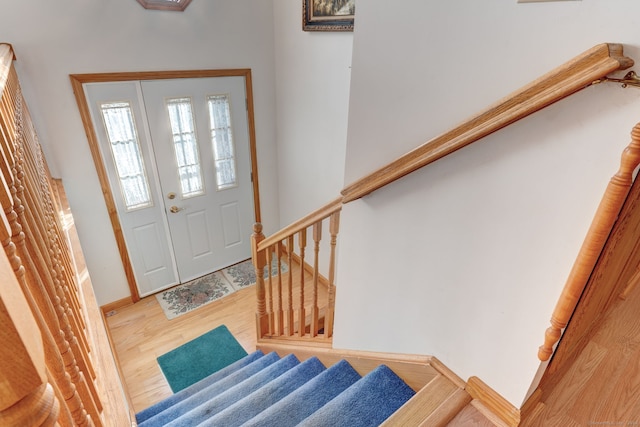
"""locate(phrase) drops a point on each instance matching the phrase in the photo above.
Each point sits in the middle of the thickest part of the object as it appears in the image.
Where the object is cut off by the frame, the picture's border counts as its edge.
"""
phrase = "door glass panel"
(125, 148)
(222, 141)
(185, 144)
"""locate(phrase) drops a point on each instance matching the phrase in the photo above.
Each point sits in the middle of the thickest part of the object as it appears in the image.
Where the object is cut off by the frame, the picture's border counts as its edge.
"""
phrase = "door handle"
(175, 209)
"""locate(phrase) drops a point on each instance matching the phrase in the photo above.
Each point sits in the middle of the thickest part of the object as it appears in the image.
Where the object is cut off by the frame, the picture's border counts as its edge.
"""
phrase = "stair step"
(368, 402)
(216, 404)
(267, 395)
(435, 404)
(194, 388)
(266, 390)
(307, 399)
(204, 394)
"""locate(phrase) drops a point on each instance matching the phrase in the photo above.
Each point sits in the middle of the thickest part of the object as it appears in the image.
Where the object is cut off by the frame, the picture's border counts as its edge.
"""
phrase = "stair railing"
(48, 365)
(605, 217)
(590, 67)
(37, 250)
(288, 298)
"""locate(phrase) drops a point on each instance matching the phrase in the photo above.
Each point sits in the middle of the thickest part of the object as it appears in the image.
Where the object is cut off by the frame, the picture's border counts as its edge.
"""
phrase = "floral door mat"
(188, 296)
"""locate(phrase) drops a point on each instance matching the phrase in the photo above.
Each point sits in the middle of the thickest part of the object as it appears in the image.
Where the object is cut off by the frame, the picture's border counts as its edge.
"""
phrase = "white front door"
(201, 141)
(178, 161)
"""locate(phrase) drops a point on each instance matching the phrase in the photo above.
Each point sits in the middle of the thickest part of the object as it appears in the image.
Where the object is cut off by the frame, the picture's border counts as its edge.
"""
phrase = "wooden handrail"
(601, 226)
(305, 222)
(563, 81)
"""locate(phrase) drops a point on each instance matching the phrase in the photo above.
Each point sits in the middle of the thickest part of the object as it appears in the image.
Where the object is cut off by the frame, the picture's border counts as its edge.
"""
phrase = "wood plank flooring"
(141, 332)
(471, 416)
(602, 387)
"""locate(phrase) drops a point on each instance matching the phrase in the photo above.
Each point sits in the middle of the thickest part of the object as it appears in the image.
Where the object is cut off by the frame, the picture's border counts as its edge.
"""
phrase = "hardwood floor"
(603, 385)
(141, 332)
(475, 415)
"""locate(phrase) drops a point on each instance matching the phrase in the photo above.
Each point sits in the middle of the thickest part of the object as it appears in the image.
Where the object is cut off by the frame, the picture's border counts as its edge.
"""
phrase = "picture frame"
(328, 15)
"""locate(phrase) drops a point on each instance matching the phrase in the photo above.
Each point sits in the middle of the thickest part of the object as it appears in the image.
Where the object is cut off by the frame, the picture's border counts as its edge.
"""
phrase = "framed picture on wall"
(328, 15)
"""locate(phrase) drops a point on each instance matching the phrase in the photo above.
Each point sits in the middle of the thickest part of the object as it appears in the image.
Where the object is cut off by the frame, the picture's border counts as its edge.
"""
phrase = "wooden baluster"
(270, 310)
(72, 412)
(606, 215)
(44, 279)
(62, 236)
(36, 219)
(334, 225)
(63, 270)
(36, 182)
(302, 321)
(317, 236)
(289, 313)
(60, 277)
(259, 261)
(43, 302)
(64, 387)
(280, 311)
(27, 399)
(74, 336)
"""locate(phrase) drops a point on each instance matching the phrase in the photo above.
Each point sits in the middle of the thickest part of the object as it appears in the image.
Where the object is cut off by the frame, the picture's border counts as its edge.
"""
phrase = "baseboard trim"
(115, 305)
(493, 401)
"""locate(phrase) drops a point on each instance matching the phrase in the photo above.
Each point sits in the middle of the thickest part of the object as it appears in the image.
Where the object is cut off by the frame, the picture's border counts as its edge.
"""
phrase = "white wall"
(313, 70)
(465, 259)
(55, 39)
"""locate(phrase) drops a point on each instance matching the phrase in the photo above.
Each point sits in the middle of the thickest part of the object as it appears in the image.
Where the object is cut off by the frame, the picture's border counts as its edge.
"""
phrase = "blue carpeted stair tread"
(267, 395)
(191, 390)
(266, 390)
(307, 399)
(216, 388)
(368, 402)
(215, 404)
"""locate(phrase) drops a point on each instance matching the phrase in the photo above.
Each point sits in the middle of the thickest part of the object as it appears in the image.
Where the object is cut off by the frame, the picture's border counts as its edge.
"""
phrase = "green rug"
(200, 358)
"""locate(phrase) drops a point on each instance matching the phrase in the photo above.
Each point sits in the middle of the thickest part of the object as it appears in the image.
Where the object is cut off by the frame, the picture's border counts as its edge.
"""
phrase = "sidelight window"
(125, 148)
(222, 141)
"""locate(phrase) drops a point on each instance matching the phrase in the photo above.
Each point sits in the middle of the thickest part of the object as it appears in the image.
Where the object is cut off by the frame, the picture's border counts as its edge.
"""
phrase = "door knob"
(171, 196)
(175, 209)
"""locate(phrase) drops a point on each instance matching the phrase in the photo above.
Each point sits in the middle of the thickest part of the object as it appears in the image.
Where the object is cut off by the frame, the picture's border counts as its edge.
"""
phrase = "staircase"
(269, 390)
(313, 387)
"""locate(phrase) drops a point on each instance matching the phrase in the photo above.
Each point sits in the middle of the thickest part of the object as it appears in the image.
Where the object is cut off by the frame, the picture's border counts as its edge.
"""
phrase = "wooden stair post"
(259, 261)
(602, 224)
(27, 398)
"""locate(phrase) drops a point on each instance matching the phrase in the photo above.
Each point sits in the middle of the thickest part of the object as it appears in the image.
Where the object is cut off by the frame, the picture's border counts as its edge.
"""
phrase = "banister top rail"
(302, 223)
(6, 59)
(559, 83)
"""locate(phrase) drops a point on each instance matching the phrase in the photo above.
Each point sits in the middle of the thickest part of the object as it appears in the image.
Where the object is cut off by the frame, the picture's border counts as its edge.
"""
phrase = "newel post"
(26, 396)
(603, 221)
(259, 261)
(334, 226)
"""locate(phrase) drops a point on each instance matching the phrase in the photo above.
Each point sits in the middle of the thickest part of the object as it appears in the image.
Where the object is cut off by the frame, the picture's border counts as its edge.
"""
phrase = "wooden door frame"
(77, 82)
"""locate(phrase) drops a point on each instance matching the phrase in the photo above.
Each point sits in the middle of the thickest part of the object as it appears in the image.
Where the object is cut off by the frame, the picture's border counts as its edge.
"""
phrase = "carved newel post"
(259, 262)
(606, 215)
(26, 397)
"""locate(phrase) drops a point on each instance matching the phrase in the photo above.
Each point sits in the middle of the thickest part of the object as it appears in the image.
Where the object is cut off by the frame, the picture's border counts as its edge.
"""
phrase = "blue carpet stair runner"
(269, 391)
